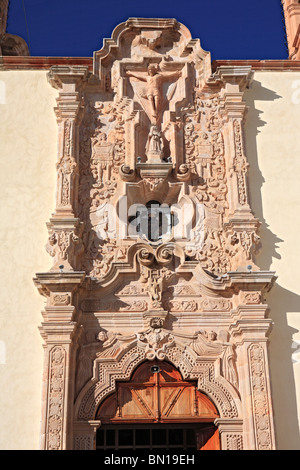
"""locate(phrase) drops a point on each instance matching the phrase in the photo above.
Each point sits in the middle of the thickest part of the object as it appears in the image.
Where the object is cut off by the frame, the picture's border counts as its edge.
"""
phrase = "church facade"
(168, 319)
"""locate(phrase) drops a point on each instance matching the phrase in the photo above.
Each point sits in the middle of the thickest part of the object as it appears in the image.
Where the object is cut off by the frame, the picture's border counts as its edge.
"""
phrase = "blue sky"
(229, 29)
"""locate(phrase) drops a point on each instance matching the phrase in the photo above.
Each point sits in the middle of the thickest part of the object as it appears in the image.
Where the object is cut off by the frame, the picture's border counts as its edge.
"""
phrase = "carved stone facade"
(153, 237)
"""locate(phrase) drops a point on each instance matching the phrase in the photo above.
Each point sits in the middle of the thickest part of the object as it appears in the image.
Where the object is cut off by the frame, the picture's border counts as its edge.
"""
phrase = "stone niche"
(152, 237)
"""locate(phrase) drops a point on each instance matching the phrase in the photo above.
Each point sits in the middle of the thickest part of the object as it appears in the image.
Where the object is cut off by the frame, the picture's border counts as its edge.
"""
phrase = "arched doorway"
(157, 410)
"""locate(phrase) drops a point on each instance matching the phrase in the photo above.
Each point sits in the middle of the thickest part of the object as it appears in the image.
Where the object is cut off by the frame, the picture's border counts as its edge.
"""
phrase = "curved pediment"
(141, 38)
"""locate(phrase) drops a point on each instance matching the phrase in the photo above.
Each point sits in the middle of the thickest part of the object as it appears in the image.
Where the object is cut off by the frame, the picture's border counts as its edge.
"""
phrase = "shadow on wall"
(281, 301)
(269, 240)
(282, 355)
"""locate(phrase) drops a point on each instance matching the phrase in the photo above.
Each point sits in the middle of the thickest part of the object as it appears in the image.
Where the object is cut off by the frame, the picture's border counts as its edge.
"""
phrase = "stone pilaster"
(84, 434)
(65, 229)
(250, 333)
(60, 331)
(241, 225)
(231, 433)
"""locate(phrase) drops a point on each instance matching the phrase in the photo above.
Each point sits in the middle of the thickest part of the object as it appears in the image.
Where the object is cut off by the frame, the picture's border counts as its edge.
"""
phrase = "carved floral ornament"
(153, 222)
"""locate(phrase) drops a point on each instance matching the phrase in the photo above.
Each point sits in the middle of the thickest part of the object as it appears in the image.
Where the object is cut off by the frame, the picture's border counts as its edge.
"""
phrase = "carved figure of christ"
(154, 87)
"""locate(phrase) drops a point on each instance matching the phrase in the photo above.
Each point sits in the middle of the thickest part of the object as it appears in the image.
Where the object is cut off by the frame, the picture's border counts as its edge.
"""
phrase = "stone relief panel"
(56, 398)
(260, 400)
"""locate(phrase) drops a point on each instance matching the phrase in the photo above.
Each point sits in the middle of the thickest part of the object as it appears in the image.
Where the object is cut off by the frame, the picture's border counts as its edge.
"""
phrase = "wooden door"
(157, 394)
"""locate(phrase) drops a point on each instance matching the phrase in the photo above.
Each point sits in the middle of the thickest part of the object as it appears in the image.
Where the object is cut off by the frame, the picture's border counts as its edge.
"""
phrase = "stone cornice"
(235, 75)
(239, 280)
(61, 75)
(42, 63)
(260, 65)
(250, 330)
(57, 281)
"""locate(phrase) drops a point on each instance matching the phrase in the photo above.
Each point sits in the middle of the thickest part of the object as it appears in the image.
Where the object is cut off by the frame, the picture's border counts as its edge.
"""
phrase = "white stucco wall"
(273, 150)
(27, 191)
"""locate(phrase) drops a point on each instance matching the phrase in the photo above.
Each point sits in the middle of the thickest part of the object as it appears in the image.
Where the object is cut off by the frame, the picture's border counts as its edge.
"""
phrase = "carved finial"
(10, 44)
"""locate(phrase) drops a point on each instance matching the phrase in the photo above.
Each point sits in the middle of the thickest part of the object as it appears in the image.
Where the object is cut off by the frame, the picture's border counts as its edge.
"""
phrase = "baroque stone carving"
(109, 372)
(156, 339)
(206, 344)
(153, 226)
(153, 92)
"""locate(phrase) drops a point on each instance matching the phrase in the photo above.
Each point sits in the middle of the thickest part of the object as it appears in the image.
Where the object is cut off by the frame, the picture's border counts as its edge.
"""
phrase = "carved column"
(65, 228)
(233, 111)
(240, 223)
(250, 333)
(60, 327)
(60, 331)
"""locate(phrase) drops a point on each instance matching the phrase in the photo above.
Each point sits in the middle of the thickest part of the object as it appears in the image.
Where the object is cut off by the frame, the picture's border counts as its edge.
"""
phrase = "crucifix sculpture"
(154, 89)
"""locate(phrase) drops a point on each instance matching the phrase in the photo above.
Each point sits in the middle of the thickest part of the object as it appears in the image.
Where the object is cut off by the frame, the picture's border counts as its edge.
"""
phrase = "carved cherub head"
(102, 336)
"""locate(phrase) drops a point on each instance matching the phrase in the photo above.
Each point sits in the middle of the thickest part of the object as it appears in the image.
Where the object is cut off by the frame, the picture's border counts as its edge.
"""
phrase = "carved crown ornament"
(152, 223)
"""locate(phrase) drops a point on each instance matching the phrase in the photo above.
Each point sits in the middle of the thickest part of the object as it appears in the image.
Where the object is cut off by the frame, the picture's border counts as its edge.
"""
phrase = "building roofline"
(41, 63)
(45, 63)
(271, 64)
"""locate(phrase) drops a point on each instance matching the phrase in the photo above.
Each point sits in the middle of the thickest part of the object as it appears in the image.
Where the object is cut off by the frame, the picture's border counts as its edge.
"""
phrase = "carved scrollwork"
(164, 254)
(146, 256)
